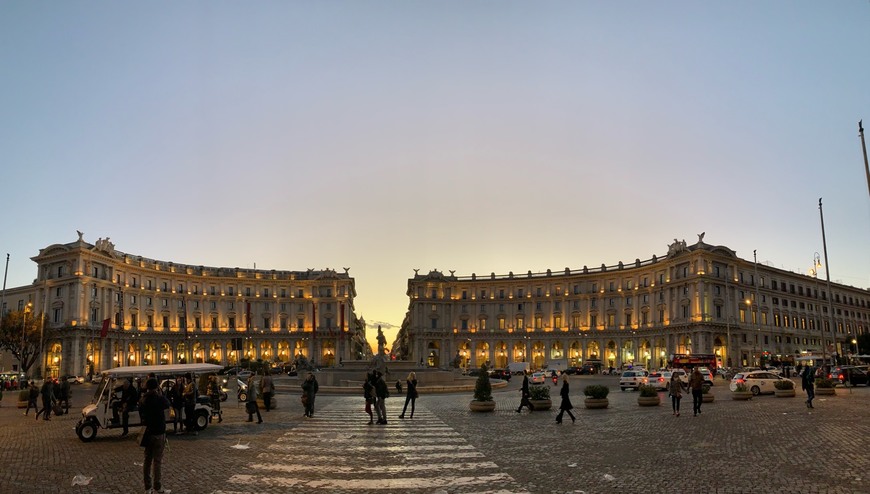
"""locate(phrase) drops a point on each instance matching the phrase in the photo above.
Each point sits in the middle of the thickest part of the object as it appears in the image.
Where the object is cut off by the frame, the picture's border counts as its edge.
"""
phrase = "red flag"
(105, 330)
(248, 314)
(314, 322)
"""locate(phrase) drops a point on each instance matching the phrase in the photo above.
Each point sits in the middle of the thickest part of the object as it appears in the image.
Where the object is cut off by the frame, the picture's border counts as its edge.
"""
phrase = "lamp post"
(758, 309)
(827, 272)
(857, 351)
(23, 337)
(817, 263)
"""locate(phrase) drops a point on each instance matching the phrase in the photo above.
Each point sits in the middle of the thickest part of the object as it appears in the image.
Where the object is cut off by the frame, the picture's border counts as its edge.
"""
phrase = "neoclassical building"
(105, 308)
(698, 299)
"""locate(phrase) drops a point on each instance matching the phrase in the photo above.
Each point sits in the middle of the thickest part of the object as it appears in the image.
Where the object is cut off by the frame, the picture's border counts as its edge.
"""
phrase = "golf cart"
(99, 413)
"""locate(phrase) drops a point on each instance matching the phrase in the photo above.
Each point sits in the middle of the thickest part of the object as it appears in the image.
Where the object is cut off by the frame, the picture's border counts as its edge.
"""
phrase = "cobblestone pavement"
(766, 445)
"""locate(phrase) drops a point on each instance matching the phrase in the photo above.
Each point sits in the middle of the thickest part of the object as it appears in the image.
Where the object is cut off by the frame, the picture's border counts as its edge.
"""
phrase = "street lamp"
(855, 342)
(814, 271)
(23, 337)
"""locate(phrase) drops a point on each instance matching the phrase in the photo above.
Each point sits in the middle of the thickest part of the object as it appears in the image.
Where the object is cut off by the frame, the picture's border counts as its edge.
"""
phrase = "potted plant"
(23, 398)
(648, 396)
(784, 388)
(482, 401)
(706, 395)
(741, 392)
(540, 397)
(825, 386)
(596, 396)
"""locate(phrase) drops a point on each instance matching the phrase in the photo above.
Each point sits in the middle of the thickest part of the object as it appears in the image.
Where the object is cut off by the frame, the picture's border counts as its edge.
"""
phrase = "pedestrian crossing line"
(371, 448)
(369, 483)
(373, 469)
(327, 454)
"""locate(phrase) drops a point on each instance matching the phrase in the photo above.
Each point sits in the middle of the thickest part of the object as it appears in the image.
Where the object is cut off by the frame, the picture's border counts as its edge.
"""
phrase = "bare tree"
(19, 335)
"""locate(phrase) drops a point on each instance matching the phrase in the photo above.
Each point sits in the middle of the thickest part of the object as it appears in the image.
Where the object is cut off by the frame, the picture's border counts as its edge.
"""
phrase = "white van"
(98, 414)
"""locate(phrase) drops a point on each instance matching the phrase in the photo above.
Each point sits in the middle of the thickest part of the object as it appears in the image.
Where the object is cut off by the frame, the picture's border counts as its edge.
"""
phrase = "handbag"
(304, 399)
(251, 407)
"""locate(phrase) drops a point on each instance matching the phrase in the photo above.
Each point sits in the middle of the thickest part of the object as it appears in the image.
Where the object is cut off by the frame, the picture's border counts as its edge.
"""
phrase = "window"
(520, 293)
(538, 322)
(149, 301)
(60, 271)
(58, 292)
(434, 323)
(283, 293)
(180, 288)
(267, 323)
(300, 324)
(247, 291)
(520, 323)
(214, 323)
(519, 307)
(501, 323)
(58, 313)
(232, 322)
(557, 322)
(166, 321)
(164, 302)
(265, 292)
(464, 324)
(230, 291)
(134, 320)
(299, 293)
(593, 321)
(464, 295)
(165, 286)
(197, 323)
(132, 299)
(150, 321)
(212, 305)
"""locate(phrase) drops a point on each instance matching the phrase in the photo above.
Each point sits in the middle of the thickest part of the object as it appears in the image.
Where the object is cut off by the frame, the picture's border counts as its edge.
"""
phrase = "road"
(768, 444)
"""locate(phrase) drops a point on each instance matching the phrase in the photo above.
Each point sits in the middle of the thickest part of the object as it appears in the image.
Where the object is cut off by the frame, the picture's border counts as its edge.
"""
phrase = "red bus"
(690, 361)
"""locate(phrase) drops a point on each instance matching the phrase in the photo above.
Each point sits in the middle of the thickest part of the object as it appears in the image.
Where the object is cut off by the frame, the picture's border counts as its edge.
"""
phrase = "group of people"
(676, 388)
(376, 392)
(55, 395)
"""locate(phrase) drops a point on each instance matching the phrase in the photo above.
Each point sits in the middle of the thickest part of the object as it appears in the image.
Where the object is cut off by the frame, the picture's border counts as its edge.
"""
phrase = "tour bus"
(98, 414)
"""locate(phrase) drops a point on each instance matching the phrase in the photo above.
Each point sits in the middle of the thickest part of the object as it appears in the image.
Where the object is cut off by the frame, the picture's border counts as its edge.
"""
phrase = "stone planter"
(708, 398)
(649, 401)
(542, 404)
(481, 406)
(825, 391)
(784, 393)
(22, 404)
(741, 395)
(596, 403)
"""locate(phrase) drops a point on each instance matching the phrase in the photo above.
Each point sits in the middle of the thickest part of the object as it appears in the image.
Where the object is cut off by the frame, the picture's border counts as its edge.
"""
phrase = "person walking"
(152, 408)
(267, 388)
(808, 384)
(65, 393)
(696, 384)
(309, 391)
(129, 401)
(566, 405)
(411, 395)
(525, 400)
(251, 403)
(675, 391)
(214, 395)
(176, 400)
(33, 395)
(189, 394)
(369, 394)
(382, 393)
(47, 393)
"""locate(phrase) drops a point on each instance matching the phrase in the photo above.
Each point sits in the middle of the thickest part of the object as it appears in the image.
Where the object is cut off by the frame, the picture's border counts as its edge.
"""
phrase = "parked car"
(502, 374)
(537, 378)
(244, 374)
(632, 379)
(573, 370)
(850, 373)
(708, 376)
(76, 379)
(757, 381)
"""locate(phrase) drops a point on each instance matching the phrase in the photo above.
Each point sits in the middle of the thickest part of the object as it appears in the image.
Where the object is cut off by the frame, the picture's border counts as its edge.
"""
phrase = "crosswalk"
(332, 453)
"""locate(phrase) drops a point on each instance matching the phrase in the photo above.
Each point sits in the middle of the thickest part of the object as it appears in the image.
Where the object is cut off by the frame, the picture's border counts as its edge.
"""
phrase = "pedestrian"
(525, 399)
(189, 394)
(176, 400)
(369, 394)
(399, 386)
(382, 393)
(696, 384)
(267, 388)
(65, 393)
(48, 398)
(127, 403)
(675, 391)
(214, 394)
(33, 395)
(411, 396)
(309, 391)
(152, 409)
(808, 384)
(565, 405)
(251, 402)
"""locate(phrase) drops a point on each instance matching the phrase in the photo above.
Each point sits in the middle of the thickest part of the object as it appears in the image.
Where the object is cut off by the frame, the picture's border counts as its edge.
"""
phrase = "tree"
(23, 342)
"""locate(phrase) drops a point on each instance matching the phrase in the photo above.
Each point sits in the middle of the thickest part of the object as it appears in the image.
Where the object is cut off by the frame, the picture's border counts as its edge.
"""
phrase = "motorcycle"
(242, 393)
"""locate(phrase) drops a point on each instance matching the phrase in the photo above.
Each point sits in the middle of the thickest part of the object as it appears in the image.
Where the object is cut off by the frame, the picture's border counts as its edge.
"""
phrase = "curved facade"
(104, 308)
(698, 299)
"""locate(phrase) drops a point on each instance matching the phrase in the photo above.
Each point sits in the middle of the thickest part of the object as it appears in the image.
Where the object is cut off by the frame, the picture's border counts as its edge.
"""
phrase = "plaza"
(768, 444)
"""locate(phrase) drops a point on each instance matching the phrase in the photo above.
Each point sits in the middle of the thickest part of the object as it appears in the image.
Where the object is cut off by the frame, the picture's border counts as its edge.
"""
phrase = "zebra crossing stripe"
(423, 454)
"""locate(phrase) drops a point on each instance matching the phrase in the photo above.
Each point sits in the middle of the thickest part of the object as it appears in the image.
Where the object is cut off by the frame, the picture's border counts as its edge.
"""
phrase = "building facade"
(698, 299)
(104, 308)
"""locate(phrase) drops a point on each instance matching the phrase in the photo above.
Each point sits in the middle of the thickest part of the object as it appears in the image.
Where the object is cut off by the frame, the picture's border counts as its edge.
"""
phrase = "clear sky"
(475, 136)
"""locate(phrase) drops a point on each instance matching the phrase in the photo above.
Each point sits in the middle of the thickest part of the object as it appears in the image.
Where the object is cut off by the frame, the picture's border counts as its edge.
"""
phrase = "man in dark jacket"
(47, 392)
(808, 383)
(127, 403)
(153, 408)
(382, 392)
(525, 400)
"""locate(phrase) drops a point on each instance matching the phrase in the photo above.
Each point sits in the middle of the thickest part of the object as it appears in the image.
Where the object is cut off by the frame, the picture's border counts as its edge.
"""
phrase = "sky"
(475, 136)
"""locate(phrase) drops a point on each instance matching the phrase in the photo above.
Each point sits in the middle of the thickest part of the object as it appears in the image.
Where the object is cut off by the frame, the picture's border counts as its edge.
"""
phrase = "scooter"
(242, 394)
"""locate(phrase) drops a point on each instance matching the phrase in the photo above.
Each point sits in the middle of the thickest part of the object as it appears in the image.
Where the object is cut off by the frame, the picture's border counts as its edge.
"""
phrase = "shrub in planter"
(784, 384)
(596, 391)
(539, 393)
(23, 398)
(822, 382)
(482, 401)
(741, 388)
(706, 395)
(647, 391)
(741, 392)
(482, 387)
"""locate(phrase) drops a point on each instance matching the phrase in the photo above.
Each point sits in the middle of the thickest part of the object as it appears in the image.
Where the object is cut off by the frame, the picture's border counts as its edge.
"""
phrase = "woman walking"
(369, 394)
(675, 391)
(566, 405)
(411, 395)
(309, 390)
